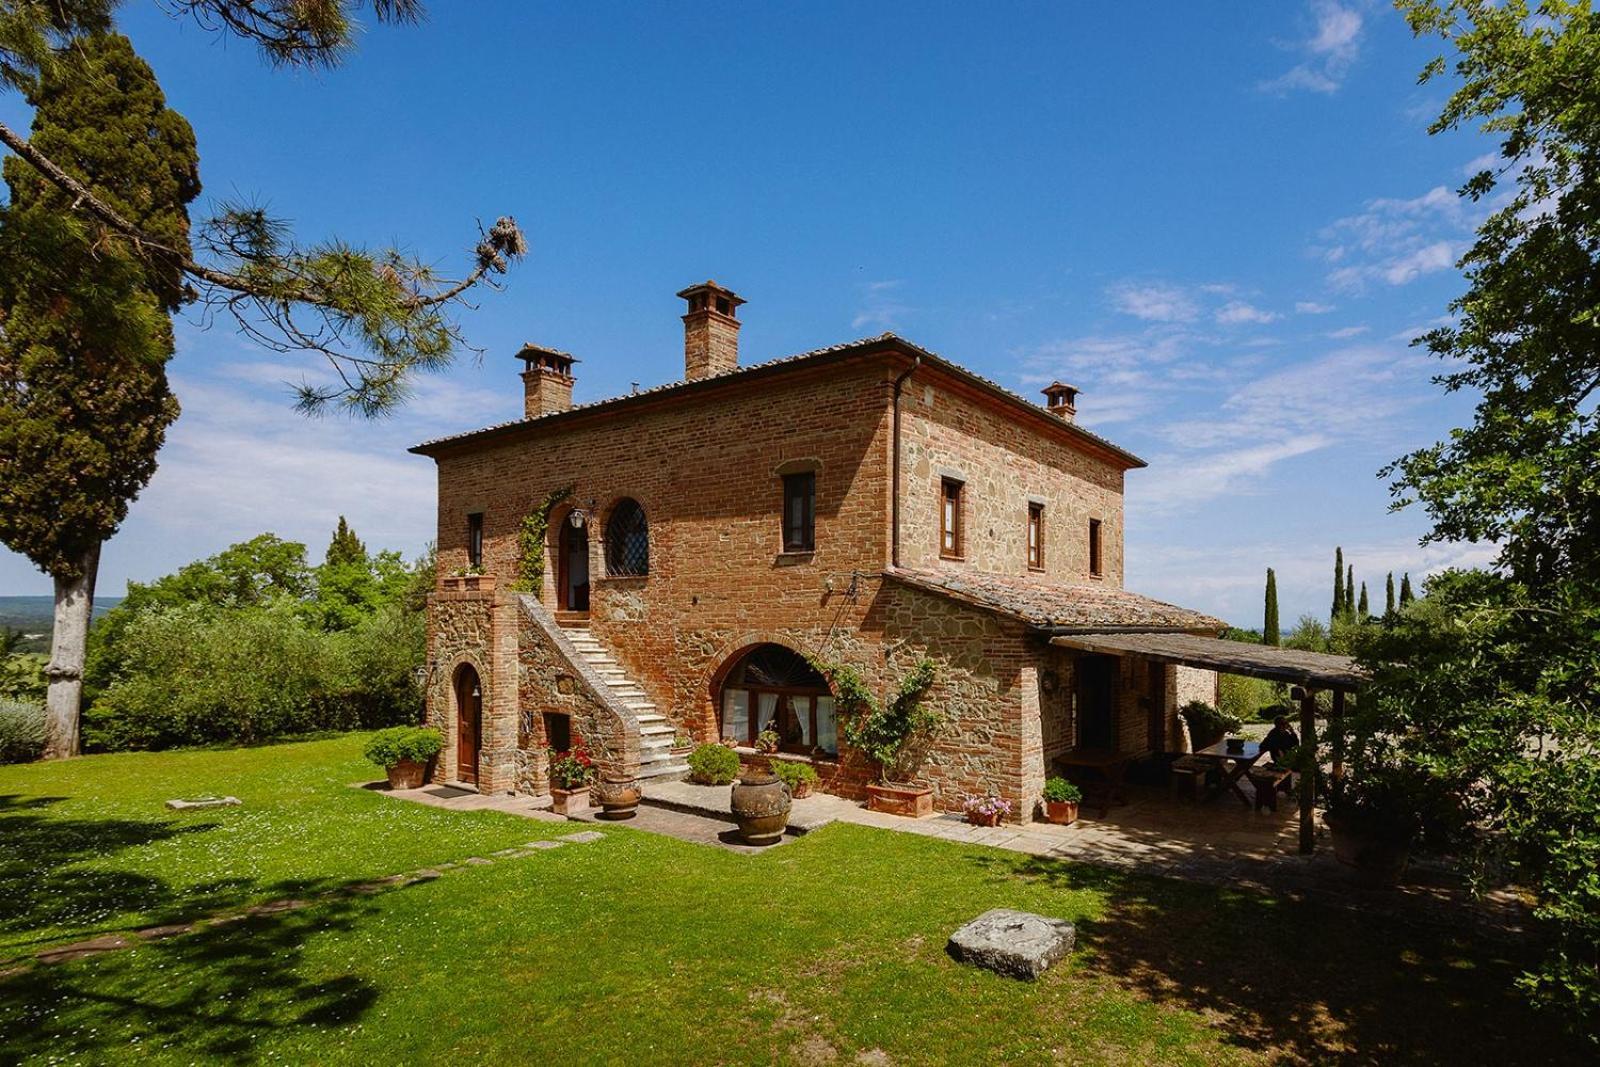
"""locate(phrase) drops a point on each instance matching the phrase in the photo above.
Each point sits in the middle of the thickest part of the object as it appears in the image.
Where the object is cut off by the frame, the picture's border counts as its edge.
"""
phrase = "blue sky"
(1223, 222)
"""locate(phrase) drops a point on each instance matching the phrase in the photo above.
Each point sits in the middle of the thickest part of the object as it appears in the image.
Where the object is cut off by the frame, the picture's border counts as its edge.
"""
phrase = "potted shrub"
(799, 777)
(571, 772)
(682, 744)
(1206, 724)
(713, 765)
(1061, 799)
(767, 741)
(404, 753)
(986, 810)
(894, 736)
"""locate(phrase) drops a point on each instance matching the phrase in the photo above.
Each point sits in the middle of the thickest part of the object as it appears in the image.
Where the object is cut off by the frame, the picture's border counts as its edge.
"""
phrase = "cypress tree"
(1388, 597)
(1338, 584)
(1406, 596)
(1269, 623)
(1350, 591)
(84, 400)
(1362, 611)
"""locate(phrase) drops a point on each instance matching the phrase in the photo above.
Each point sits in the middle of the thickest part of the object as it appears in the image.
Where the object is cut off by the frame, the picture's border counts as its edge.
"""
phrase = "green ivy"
(889, 736)
(531, 542)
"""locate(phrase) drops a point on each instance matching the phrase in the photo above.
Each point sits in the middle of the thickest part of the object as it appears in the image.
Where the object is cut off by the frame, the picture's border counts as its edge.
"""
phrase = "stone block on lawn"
(585, 837)
(1018, 944)
(201, 803)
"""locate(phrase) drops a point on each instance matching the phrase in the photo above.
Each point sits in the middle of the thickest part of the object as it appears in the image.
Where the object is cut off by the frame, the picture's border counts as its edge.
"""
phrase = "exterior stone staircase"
(656, 732)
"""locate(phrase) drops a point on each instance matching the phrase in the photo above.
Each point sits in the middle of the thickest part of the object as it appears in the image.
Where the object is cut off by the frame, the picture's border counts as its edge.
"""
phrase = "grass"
(643, 948)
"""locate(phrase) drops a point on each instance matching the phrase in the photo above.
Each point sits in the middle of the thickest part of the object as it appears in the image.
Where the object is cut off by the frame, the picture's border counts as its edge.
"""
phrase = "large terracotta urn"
(761, 805)
(618, 794)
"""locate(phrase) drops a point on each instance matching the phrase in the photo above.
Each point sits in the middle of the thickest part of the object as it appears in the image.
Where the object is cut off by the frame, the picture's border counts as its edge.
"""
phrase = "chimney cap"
(1059, 394)
(553, 359)
(720, 297)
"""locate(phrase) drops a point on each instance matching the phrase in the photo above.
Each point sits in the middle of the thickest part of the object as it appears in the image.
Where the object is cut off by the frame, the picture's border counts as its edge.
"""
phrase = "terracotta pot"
(618, 795)
(570, 801)
(980, 819)
(802, 790)
(1377, 860)
(1061, 812)
(912, 801)
(407, 774)
(760, 803)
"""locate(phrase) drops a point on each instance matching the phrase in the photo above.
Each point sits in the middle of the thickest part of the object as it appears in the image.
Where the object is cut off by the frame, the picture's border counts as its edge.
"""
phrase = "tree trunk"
(68, 644)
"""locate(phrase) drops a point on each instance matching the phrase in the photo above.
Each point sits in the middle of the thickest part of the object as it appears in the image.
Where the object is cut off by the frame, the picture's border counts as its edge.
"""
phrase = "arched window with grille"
(627, 540)
(773, 688)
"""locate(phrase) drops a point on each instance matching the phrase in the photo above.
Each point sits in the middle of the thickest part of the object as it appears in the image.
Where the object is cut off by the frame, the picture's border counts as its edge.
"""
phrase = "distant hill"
(35, 616)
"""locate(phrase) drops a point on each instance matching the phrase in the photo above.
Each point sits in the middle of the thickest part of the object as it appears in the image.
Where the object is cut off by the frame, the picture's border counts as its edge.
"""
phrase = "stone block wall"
(477, 628)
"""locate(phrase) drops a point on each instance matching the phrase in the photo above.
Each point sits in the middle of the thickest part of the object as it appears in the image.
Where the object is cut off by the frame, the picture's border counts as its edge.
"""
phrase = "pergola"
(1308, 671)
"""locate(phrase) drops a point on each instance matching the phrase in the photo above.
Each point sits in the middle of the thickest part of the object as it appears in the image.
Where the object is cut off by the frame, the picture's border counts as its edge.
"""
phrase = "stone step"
(656, 729)
(663, 770)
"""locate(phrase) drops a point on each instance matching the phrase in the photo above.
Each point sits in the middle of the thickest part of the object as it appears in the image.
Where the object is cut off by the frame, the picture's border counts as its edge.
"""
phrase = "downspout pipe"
(894, 477)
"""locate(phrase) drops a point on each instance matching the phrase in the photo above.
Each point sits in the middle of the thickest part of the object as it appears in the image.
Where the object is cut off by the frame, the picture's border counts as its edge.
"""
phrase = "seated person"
(1278, 743)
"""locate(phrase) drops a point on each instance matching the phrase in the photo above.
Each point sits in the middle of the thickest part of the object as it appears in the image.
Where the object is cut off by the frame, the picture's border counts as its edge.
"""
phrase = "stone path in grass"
(96, 946)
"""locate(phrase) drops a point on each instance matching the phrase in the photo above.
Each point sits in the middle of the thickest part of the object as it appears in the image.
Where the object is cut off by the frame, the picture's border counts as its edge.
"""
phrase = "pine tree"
(1269, 622)
(345, 547)
(1388, 597)
(1406, 596)
(1362, 611)
(84, 400)
(1350, 591)
(1338, 585)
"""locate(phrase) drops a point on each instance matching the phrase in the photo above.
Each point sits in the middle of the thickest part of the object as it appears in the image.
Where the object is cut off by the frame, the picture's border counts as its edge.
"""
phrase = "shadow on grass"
(1304, 982)
(210, 994)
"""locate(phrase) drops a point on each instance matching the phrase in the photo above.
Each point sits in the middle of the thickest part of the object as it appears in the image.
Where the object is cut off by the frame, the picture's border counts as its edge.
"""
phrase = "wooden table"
(1112, 767)
(1231, 766)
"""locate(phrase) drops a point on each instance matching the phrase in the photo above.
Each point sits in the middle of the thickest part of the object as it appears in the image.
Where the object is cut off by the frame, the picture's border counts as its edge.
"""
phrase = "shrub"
(896, 736)
(1206, 723)
(713, 765)
(1061, 791)
(21, 730)
(1243, 698)
(388, 747)
(799, 777)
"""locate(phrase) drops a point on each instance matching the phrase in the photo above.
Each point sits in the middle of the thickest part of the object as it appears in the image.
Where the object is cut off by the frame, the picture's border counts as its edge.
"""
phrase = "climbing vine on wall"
(532, 540)
(893, 737)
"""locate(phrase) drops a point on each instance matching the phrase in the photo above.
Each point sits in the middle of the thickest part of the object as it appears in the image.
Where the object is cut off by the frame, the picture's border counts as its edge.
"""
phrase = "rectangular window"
(1036, 536)
(1095, 565)
(800, 512)
(475, 540)
(950, 526)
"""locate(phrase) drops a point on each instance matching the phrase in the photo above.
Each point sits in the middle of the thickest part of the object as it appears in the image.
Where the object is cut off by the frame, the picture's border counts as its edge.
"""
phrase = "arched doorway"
(469, 723)
(572, 555)
(770, 687)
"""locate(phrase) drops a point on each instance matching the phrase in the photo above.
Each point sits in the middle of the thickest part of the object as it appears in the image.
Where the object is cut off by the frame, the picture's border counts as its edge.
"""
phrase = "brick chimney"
(710, 330)
(1062, 400)
(546, 381)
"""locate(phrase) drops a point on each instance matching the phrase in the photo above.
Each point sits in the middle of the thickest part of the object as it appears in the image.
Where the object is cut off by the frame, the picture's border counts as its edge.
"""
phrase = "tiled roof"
(931, 358)
(1053, 605)
(1316, 669)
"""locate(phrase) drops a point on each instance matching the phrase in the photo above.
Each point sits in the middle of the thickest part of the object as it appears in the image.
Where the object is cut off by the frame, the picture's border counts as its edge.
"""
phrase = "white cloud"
(1235, 312)
(881, 305)
(1429, 259)
(1331, 49)
(1396, 240)
(1154, 302)
(1347, 332)
(1311, 307)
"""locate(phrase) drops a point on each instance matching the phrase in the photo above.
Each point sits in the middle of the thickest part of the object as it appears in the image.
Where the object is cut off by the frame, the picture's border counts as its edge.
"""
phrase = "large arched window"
(772, 687)
(627, 540)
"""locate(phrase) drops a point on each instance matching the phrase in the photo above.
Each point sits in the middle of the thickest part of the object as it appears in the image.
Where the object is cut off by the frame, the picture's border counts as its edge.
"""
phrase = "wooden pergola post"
(1336, 726)
(1308, 777)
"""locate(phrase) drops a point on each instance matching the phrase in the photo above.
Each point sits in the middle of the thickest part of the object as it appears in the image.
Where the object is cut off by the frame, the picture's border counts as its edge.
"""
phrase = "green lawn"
(639, 948)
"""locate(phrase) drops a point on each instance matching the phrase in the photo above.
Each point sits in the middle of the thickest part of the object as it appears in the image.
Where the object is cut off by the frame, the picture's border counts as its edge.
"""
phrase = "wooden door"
(573, 577)
(469, 723)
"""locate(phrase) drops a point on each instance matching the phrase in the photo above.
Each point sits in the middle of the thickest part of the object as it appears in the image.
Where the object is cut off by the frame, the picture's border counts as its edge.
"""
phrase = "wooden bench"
(1266, 781)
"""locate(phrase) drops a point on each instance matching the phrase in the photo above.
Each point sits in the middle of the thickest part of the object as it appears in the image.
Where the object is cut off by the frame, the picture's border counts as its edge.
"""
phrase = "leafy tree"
(84, 402)
(378, 316)
(1505, 681)
(1406, 596)
(1269, 623)
(1338, 585)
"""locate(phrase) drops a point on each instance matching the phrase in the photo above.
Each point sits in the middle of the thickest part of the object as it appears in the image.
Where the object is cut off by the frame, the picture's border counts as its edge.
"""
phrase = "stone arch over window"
(772, 687)
(627, 540)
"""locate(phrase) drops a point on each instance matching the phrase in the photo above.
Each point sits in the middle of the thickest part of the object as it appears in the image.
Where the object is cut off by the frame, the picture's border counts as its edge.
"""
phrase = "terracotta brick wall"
(1004, 462)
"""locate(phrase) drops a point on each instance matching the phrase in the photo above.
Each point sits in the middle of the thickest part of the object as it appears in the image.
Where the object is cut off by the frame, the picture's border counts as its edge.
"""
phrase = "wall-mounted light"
(580, 514)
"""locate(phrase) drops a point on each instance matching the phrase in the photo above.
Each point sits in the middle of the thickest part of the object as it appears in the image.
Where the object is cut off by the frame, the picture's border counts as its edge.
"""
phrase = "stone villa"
(652, 569)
